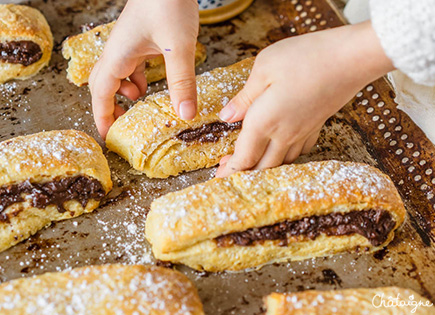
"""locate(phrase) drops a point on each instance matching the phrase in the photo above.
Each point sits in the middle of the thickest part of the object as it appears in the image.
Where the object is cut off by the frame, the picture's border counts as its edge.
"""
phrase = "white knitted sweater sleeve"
(406, 29)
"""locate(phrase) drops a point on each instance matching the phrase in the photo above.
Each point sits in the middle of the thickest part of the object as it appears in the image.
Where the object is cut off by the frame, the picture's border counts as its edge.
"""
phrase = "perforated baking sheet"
(369, 129)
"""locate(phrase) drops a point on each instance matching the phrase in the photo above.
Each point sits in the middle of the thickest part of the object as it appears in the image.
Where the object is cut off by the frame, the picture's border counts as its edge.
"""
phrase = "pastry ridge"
(20, 22)
(146, 136)
(345, 302)
(105, 289)
(41, 158)
(193, 217)
(84, 50)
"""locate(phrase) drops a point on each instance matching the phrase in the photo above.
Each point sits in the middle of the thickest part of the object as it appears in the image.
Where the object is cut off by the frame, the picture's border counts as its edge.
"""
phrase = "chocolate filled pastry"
(46, 177)
(157, 142)
(84, 50)
(102, 290)
(26, 42)
(292, 212)
(380, 301)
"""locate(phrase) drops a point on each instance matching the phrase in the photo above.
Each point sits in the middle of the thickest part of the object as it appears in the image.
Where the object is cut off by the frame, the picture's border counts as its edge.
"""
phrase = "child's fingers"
(129, 90)
(103, 88)
(294, 152)
(224, 159)
(180, 72)
(139, 79)
(236, 109)
(311, 141)
(250, 147)
(103, 116)
(274, 156)
(119, 111)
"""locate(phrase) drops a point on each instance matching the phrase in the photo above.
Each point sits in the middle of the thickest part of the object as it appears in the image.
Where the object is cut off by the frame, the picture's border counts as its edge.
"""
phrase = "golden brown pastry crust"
(84, 50)
(182, 226)
(41, 158)
(146, 135)
(346, 302)
(103, 290)
(23, 23)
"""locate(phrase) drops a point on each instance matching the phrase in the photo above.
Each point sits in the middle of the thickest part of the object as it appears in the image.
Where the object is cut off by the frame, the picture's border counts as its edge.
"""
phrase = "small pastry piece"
(157, 142)
(26, 42)
(102, 290)
(379, 301)
(292, 212)
(85, 49)
(48, 176)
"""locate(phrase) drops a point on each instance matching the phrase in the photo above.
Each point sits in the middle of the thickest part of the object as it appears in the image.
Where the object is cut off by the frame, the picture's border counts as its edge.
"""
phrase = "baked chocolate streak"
(80, 188)
(208, 132)
(375, 225)
(23, 52)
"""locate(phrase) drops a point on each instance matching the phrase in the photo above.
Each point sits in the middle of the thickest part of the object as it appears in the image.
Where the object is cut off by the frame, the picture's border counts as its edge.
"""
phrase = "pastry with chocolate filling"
(102, 290)
(157, 142)
(292, 212)
(46, 177)
(26, 42)
(84, 50)
(380, 301)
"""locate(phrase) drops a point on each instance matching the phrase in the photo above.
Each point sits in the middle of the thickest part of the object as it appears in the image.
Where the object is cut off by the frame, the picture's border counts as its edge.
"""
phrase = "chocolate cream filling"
(56, 192)
(208, 132)
(23, 52)
(375, 225)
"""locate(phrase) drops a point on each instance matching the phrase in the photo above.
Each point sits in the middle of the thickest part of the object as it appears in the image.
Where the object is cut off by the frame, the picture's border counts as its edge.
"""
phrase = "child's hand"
(295, 86)
(145, 29)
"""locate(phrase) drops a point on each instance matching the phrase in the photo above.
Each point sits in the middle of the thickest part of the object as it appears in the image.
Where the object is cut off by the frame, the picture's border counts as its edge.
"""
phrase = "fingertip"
(225, 159)
(119, 111)
(226, 169)
(187, 110)
(129, 90)
(220, 171)
(103, 130)
(103, 123)
(227, 113)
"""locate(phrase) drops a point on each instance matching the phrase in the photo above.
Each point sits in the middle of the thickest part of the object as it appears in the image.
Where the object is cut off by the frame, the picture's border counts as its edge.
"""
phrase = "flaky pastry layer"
(103, 290)
(183, 226)
(40, 159)
(148, 135)
(23, 23)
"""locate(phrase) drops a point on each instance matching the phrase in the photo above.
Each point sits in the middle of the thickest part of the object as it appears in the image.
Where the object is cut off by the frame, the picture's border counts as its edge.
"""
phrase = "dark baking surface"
(369, 129)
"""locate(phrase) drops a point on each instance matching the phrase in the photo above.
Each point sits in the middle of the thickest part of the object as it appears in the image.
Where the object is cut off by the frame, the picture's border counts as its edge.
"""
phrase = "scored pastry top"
(261, 198)
(114, 289)
(149, 123)
(43, 156)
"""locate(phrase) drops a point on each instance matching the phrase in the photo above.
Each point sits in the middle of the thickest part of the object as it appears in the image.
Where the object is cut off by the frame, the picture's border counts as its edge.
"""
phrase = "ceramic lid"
(215, 11)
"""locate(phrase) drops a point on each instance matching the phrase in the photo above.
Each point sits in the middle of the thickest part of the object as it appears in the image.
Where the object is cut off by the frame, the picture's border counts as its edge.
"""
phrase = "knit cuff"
(406, 29)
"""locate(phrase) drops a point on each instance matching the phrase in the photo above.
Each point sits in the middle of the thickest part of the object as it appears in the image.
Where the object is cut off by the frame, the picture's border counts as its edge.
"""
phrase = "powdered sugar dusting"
(51, 148)
(321, 180)
(337, 182)
(116, 288)
(148, 124)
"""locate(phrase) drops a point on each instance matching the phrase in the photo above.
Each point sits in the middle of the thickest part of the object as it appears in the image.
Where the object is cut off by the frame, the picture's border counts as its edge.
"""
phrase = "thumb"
(236, 109)
(180, 73)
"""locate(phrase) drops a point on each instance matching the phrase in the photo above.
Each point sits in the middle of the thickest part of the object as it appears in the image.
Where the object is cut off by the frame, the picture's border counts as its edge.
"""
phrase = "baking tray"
(369, 129)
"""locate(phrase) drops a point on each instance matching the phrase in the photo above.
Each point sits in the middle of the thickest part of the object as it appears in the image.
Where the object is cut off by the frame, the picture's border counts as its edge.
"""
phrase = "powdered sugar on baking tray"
(117, 289)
